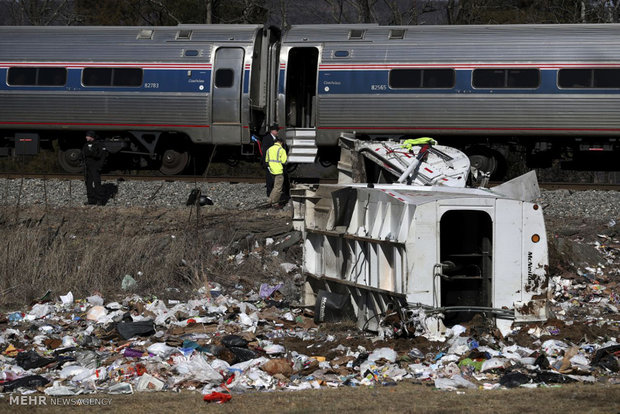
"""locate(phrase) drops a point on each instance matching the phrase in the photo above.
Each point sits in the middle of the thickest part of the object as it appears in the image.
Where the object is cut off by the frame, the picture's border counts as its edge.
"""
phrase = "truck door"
(466, 242)
(226, 97)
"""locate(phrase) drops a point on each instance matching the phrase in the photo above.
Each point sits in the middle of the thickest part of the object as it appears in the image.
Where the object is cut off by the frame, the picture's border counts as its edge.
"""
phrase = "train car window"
(421, 78)
(121, 77)
(405, 78)
(22, 76)
(52, 77)
(127, 77)
(438, 78)
(224, 78)
(589, 78)
(191, 52)
(575, 78)
(97, 76)
(506, 78)
(341, 53)
(488, 78)
(606, 78)
(37, 76)
(522, 78)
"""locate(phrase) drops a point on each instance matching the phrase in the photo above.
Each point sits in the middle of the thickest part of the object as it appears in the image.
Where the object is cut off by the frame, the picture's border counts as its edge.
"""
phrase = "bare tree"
(365, 10)
(40, 12)
(605, 11)
(410, 12)
(337, 10)
(519, 11)
(283, 15)
(163, 9)
(209, 11)
(397, 15)
(252, 11)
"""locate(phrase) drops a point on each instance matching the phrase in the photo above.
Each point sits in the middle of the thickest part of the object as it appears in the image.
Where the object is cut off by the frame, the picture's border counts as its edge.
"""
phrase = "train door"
(301, 81)
(226, 96)
(466, 243)
(301, 104)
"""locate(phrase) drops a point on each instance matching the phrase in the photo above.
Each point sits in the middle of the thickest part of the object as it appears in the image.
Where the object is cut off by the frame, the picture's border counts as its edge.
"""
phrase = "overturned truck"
(391, 256)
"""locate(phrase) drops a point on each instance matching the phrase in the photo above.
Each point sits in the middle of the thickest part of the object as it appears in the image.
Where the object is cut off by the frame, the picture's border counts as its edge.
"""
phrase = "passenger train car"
(160, 94)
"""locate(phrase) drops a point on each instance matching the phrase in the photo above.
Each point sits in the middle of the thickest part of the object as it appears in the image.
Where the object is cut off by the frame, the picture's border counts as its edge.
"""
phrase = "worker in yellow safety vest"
(276, 159)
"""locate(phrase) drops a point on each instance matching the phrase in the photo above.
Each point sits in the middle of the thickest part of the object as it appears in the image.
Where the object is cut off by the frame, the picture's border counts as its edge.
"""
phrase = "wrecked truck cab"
(453, 251)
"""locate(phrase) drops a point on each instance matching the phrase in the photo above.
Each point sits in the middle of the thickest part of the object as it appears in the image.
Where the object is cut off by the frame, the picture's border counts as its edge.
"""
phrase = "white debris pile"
(221, 346)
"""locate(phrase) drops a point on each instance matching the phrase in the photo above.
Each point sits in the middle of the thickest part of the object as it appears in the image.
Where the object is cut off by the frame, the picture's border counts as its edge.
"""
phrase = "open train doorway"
(466, 243)
(301, 81)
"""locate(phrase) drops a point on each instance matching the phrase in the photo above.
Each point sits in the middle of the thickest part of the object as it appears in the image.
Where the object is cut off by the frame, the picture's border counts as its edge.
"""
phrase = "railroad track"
(240, 179)
(183, 178)
(121, 177)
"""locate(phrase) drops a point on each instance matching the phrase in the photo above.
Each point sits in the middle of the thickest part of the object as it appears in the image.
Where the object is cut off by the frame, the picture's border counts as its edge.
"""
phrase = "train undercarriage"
(173, 153)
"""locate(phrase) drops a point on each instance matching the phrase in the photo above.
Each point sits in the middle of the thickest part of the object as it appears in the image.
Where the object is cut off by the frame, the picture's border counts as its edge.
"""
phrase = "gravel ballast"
(130, 193)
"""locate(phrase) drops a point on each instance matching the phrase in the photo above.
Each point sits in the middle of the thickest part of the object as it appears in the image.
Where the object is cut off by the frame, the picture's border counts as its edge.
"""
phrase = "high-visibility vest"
(409, 143)
(276, 158)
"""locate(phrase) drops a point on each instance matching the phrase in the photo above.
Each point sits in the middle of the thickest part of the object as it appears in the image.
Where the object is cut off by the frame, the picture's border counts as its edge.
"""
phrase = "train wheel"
(174, 161)
(483, 159)
(70, 160)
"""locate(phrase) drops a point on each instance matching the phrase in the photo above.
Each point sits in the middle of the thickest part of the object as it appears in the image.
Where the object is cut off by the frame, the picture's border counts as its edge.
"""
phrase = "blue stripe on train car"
(154, 80)
(351, 82)
(246, 81)
(281, 81)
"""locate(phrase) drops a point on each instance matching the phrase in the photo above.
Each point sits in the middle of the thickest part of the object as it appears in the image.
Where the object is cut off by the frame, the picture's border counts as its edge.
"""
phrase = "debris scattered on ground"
(221, 346)
(228, 339)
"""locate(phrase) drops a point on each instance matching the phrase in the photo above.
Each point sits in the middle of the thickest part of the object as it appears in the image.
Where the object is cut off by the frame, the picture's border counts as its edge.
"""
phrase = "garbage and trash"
(218, 397)
(226, 341)
(130, 329)
(226, 344)
(128, 283)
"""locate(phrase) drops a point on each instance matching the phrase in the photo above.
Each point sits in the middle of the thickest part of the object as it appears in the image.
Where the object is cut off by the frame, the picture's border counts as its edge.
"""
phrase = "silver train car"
(156, 94)
(162, 93)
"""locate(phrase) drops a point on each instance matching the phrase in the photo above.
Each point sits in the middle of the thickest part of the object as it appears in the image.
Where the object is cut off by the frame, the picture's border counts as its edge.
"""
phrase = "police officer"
(266, 143)
(276, 160)
(94, 154)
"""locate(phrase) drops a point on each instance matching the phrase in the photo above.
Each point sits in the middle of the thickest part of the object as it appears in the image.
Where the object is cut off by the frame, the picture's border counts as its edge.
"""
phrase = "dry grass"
(89, 250)
(403, 398)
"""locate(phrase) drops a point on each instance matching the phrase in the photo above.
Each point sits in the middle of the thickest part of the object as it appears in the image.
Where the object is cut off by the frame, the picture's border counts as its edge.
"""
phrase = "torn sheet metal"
(418, 165)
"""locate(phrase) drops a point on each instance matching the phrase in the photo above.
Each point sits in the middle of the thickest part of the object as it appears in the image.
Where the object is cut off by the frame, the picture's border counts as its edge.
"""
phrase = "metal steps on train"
(301, 144)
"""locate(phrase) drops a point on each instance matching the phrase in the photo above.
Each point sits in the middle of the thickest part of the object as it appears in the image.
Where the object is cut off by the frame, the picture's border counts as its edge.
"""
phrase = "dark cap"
(274, 127)
(92, 134)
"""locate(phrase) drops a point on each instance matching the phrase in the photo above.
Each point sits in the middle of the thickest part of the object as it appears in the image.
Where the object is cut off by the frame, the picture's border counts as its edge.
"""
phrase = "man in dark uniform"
(266, 143)
(94, 156)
